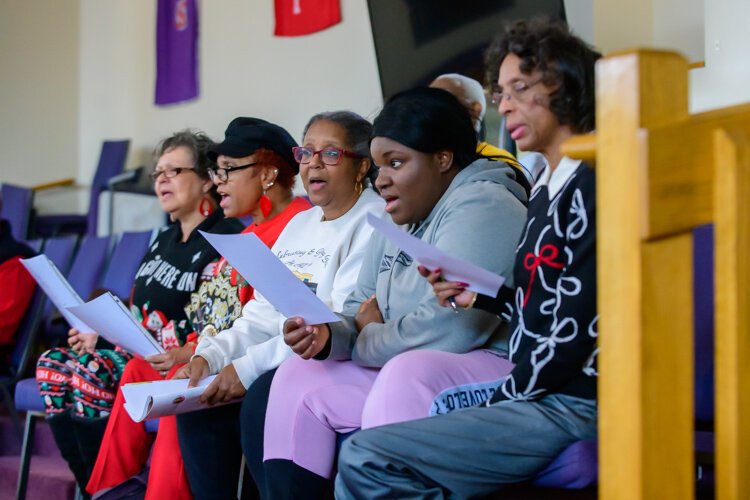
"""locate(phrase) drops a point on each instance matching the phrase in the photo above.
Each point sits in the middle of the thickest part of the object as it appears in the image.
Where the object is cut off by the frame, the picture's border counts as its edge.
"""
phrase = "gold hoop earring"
(358, 187)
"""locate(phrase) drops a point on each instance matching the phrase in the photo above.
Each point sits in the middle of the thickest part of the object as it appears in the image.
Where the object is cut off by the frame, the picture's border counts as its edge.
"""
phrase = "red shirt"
(15, 296)
(268, 231)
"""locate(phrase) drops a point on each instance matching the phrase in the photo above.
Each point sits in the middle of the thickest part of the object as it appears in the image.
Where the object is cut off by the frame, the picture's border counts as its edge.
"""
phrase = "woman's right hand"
(305, 340)
(447, 289)
(82, 342)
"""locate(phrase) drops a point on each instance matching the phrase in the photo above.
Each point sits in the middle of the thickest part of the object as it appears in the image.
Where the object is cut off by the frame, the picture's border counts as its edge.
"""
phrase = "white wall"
(245, 70)
(77, 72)
(725, 80)
(38, 90)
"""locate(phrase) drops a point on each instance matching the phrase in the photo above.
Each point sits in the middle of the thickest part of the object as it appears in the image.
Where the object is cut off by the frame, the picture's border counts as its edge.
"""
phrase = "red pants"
(126, 446)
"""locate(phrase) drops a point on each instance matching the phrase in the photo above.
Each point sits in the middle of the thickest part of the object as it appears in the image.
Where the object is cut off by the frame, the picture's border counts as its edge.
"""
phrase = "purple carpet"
(49, 476)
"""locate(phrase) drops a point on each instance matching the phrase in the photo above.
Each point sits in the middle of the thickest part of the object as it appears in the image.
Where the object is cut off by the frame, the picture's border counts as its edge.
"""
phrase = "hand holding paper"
(305, 340)
(147, 400)
(475, 278)
(447, 291)
(113, 321)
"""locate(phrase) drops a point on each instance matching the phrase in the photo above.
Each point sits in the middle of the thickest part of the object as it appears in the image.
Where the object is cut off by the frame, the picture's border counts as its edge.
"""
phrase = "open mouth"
(516, 131)
(225, 198)
(316, 184)
(391, 202)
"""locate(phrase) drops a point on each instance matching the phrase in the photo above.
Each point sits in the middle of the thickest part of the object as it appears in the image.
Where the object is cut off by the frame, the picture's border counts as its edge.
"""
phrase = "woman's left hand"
(369, 312)
(164, 362)
(224, 388)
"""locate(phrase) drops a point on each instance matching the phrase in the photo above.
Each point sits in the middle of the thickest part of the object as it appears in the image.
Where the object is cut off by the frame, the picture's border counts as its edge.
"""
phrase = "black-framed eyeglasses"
(517, 91)
(168, 172)
(221, 174)
(330, 155)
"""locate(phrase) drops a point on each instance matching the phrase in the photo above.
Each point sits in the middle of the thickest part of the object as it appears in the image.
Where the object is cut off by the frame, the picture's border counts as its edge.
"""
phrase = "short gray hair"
(472, 90)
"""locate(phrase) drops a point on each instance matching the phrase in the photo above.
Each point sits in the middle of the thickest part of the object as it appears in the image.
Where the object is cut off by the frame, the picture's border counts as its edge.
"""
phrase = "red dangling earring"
(206, 208)
(265, 205)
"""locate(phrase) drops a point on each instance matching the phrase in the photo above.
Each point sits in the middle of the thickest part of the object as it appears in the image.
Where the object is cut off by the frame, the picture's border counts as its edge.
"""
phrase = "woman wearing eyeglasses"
(357, 372)
(323, 247)
(254, 174)
(79, 383)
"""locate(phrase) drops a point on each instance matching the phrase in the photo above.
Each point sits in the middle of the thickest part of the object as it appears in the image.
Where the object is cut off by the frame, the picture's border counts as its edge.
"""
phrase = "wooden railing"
(660, 173)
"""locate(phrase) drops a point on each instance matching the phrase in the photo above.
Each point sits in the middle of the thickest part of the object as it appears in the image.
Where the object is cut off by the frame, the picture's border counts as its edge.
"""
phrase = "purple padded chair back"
(703, 321)
(124, 262)
(36, 244)
(111, 162)
(84, 276)
(88, 266)
(16, 209)
(59, 250)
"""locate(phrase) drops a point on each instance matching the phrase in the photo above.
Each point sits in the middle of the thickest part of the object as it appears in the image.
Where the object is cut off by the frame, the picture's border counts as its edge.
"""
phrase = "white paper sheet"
(57, 288)
(147, 400)
(454, 269)
(267, 274)
(111, 319)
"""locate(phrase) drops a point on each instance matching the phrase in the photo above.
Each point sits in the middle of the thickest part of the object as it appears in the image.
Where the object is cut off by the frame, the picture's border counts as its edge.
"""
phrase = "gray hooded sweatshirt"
(479, 219)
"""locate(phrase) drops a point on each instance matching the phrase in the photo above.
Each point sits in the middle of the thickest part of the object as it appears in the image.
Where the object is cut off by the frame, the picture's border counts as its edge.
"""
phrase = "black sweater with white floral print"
(553, 313)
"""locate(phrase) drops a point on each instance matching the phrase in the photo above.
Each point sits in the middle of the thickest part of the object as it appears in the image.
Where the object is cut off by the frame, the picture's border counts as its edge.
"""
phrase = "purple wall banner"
(176, 51)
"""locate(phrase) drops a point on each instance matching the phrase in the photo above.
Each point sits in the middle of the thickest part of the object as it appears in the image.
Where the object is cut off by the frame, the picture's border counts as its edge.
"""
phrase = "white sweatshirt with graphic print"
(326, 255)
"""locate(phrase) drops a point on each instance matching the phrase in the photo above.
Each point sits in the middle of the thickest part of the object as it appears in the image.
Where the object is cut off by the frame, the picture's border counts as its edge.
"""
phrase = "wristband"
(471, 304)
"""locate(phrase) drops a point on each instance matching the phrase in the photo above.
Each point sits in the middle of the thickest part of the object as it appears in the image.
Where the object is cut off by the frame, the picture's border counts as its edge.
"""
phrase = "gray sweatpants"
(463, 454)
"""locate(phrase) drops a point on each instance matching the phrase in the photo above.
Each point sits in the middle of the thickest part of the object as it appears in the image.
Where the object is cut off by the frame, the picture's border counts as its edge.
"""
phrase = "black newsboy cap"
(245, 135)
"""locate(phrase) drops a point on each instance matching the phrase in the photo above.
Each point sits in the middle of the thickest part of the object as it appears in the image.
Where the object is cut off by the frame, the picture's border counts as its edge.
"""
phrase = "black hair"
(565, 62)
(199, 144)
(429, 120)
(357, 131)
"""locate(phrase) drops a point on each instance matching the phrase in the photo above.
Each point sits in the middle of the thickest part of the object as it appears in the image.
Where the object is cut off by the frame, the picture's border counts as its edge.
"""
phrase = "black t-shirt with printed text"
(170, 272)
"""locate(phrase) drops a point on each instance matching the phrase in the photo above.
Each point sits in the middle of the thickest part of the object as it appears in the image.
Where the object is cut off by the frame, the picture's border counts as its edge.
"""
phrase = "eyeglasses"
(222, 174)
(330, 156)
(516, 91)
(168, 172)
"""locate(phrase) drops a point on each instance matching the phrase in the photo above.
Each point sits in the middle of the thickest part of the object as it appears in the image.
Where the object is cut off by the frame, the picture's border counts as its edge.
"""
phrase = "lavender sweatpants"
(311, 401)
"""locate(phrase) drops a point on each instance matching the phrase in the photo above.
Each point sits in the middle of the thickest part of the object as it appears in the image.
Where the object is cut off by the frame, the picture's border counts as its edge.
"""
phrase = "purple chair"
(111, 163)
(36, 244)
(59, 251)
(17, 202)
(703, 338)
(84, 277)
(577, 467)
(123, 264)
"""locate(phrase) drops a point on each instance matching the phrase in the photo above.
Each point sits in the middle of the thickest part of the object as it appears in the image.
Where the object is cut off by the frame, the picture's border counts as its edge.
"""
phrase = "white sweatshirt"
(327, 256)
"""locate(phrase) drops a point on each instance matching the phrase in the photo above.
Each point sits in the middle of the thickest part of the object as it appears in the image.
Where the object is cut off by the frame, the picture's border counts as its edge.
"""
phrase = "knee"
(55, 365)
(413, 370)
(136, 370)
(58, 357)
(415, 366)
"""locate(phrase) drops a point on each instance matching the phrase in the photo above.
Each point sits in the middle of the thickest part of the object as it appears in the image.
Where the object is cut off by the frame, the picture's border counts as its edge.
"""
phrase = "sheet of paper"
(454, 269)
(147, 400)
(57, 288)
(112, 320)
(267, 274)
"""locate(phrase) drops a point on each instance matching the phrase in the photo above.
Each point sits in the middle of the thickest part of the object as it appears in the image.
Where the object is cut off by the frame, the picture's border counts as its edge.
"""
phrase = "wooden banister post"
(732, 319)
(645, 289)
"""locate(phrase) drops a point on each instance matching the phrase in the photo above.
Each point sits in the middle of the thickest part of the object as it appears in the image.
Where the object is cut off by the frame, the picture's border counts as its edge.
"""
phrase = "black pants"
(275, 479)
(210, 445)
